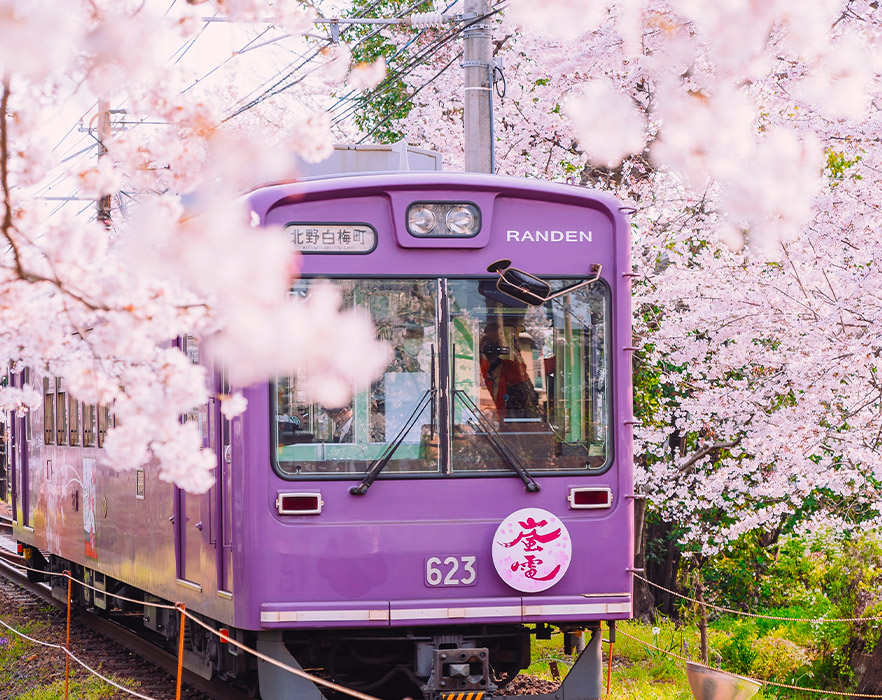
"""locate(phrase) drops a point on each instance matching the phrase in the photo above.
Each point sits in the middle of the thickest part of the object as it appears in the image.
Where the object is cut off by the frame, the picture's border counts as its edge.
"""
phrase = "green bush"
(738, 652)
(777, 658)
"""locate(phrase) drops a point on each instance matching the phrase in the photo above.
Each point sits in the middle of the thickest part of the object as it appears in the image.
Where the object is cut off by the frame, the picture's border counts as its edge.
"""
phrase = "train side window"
(48, 411)
(74, 422)
(88, 425)
(60, 412)
(103, 422)
(191, 348)
(31, 415)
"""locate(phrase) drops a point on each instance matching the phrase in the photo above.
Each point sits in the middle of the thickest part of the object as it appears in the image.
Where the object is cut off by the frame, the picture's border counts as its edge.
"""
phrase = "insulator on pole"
(427, 19)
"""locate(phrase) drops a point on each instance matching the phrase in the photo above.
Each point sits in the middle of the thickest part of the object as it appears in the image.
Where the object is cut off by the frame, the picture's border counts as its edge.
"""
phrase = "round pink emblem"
(532, 550)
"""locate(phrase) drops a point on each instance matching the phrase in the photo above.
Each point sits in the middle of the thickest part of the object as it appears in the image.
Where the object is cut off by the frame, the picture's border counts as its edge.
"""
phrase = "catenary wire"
(348, 96)
(422, 59)
(409, 98)
(281, 85)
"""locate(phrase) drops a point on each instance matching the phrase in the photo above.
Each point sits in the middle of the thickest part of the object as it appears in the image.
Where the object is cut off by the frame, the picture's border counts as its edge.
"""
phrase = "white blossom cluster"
(746, 138)
(99, 304)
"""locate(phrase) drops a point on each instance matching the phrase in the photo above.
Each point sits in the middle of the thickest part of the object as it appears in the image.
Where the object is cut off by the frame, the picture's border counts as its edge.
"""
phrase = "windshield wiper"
(496, 440)
(380, 464)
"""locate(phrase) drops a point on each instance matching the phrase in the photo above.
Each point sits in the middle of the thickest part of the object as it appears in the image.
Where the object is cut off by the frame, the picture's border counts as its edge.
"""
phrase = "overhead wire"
(388, 80)
(419, 60)
(281, 85)
(409, 98)
(225, 61)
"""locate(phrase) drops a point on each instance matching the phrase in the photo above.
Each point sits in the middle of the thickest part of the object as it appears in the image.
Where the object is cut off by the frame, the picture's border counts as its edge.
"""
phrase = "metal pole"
(478, 100)
(104, 132)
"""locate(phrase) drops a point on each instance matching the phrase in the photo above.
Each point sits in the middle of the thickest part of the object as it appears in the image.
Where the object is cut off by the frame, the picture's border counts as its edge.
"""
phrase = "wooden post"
(181, 607)
(67, 638)
(702, 617)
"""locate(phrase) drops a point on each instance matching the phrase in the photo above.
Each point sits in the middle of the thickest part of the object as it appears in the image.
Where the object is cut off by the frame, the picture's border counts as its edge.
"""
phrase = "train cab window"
(531, 377)
(400, 407)
(49, 411)
(60, 412)
(74, 422)
(88, 425)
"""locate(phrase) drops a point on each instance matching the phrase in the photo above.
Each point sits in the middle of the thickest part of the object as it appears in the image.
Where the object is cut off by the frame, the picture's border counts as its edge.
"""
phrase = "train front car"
(481, 490)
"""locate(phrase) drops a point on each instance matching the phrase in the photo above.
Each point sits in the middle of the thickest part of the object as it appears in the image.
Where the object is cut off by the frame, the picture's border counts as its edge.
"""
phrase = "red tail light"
(299, 503)
(586, 498)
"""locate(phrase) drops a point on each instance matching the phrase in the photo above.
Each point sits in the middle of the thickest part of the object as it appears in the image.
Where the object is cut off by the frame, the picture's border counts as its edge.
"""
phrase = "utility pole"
(478, 100)
(104, 131)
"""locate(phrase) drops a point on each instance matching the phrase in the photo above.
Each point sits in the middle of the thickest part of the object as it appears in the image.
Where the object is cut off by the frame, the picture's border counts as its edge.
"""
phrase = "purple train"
(478, 492)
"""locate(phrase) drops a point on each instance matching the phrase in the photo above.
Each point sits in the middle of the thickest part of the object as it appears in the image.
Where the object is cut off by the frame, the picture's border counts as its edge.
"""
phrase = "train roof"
(268, 195)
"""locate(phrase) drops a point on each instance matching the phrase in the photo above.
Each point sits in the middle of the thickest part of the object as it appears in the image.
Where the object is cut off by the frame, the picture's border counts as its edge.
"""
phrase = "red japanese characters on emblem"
(532, 550)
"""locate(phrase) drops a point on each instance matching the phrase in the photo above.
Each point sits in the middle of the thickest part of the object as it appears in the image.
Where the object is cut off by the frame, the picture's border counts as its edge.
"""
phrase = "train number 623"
(451, 571)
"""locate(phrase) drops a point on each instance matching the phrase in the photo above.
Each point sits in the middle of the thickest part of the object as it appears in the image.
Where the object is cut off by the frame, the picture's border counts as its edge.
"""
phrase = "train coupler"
(459, 674)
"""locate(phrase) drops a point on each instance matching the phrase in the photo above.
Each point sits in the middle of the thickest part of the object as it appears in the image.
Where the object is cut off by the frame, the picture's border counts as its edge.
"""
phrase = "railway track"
(99, 642)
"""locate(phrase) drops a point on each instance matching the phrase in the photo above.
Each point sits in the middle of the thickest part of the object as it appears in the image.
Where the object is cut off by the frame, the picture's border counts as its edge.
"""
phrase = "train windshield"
(528, 385)
(401, 406)
(531, 377)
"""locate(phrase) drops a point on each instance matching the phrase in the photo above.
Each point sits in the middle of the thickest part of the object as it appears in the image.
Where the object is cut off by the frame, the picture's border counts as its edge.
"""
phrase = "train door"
(188, 535)
(222, 520)
(21, 443)
(13, 464)
(189, 524)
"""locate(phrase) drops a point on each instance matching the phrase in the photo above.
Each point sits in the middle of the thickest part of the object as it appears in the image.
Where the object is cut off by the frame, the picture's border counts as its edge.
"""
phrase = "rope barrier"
(609, 658)
(107, 680)
(83, 584)
(224, 638)
(185, 614)
(275, 662)
(757, 615)
(60, 647)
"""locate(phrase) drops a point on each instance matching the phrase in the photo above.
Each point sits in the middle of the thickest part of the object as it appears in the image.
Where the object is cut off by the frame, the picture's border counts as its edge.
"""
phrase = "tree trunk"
(644, 601)
(871, 683)
(663, 567)
(669, 578)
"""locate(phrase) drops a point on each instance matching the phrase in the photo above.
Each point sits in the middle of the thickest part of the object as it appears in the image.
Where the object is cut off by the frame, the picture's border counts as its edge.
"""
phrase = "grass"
(639, 672)
(88, 688)
(30, 671)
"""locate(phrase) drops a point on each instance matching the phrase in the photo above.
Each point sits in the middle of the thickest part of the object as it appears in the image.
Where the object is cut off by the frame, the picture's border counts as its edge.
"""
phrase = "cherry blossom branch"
(707, 450)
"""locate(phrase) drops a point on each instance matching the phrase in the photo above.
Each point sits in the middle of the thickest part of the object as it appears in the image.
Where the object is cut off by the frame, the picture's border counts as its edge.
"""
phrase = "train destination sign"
(351, 238)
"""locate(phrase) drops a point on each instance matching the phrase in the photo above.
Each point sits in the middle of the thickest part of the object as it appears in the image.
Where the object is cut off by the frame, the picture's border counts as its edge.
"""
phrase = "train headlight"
(462, 220)
(443, 220)
(421, 220)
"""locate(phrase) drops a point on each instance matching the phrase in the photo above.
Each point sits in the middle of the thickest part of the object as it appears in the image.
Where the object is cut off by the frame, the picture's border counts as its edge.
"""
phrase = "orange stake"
(180, 607)
(67, 641)
(609, 667)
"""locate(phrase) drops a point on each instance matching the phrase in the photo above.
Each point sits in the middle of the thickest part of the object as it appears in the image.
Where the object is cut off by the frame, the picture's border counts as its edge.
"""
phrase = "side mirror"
(528, 288)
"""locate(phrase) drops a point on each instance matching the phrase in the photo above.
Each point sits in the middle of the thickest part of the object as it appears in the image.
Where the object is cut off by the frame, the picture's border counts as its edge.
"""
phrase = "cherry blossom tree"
(99, 299)
(745, 138)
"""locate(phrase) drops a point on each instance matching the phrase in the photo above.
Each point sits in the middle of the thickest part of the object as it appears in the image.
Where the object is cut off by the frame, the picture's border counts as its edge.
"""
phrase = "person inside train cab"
(505, 374)
(342, 418)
